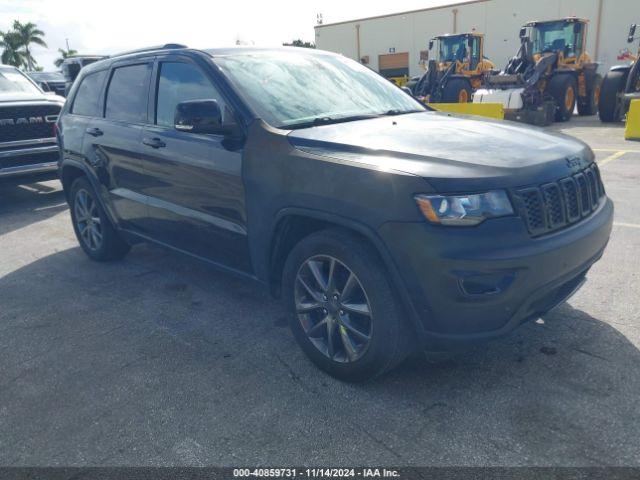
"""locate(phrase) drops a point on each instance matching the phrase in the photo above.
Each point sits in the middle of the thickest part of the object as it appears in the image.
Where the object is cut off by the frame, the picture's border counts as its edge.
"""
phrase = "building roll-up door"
(394, 64)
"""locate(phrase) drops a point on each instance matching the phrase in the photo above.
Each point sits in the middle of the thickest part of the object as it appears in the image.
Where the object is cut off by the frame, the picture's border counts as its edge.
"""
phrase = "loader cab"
(464, 48)
(566, 37)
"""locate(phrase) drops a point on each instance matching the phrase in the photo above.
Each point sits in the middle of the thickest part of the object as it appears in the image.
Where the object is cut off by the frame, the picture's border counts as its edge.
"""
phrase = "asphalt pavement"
(160, 360)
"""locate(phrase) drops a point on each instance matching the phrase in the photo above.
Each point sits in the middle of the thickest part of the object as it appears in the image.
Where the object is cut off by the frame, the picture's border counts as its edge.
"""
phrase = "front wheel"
(345, 316)
(563, 89)
(457, 90)
(589, 105)
(94, 231)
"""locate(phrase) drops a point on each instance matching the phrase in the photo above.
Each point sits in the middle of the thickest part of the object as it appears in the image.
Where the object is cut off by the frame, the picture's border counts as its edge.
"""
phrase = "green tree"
(29, 34)
(12, 53)
(300, 43)
(63, 55)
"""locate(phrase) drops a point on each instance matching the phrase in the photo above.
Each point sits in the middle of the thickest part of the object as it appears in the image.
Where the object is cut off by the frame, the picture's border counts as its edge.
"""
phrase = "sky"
(114, 26)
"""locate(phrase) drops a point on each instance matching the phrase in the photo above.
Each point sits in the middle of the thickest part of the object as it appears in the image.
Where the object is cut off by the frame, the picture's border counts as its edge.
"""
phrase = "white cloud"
(117, 25)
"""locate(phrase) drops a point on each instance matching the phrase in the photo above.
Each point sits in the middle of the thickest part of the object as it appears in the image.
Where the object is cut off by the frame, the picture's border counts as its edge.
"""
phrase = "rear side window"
(127, 94)
(87, 101)
(180, 82)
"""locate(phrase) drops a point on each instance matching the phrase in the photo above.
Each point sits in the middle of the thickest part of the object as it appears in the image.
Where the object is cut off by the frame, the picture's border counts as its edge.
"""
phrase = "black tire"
(456, 91)
(560, 87)
(633, 80)
(389, 341)
(109, 245)
(610, 106)
(589, 106)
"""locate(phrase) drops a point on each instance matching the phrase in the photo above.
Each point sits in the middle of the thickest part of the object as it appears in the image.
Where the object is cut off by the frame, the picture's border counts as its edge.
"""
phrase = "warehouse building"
(396, 44)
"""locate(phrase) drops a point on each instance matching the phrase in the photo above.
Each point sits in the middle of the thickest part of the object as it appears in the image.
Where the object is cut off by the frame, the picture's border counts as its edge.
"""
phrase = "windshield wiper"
(393, 113)
(318, 121)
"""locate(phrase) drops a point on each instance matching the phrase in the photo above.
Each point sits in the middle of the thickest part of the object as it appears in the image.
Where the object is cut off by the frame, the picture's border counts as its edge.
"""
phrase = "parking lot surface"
(160, 360)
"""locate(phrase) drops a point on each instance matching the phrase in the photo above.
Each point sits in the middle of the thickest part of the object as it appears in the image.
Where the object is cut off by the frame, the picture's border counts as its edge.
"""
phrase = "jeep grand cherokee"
(385, 226)
(27, 120)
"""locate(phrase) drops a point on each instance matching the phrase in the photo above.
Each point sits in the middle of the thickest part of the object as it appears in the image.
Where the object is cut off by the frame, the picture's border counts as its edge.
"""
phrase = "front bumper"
(468, 284)
(28, 157)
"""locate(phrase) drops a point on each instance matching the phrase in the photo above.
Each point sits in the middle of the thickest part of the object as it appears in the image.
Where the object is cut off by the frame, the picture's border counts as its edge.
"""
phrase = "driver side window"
(474, 47)
(181, 82)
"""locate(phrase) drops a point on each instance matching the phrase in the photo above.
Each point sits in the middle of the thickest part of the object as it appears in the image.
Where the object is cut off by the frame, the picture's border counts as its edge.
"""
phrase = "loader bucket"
(489, 110)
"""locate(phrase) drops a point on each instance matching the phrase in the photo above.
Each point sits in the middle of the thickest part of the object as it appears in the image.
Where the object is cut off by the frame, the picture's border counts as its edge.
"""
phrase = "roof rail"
(166, 46)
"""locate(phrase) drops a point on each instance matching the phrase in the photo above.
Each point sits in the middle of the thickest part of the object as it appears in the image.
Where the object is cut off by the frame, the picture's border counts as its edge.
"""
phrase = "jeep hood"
(452, 152)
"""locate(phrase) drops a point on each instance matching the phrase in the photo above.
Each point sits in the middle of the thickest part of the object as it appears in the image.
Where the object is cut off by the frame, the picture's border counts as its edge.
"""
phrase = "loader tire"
(633, 81)
(589, 106)
(610, 106)
(457, 90)
(563, 89)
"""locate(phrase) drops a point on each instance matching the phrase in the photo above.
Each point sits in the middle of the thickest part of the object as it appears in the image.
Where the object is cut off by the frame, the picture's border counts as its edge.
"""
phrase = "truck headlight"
(464, 210)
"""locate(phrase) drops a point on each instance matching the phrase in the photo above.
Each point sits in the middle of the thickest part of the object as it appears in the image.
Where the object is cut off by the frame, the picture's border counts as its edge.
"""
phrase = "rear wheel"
(610, 106)
(345, 316)
(563, 89)
(589, 105)
(94, 231)
(457, 90)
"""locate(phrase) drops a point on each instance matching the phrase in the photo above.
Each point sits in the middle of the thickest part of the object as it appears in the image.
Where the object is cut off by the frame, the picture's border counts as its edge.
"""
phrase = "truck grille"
(557, 205)
(27, 122)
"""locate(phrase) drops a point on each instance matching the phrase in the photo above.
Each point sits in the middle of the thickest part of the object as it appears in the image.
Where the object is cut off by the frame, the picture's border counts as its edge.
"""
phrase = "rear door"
(113, 141)
(87, 104)
(195, 192)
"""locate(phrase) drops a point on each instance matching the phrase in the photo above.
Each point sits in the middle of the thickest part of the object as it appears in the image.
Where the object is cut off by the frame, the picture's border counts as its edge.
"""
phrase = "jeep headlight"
(464, 210)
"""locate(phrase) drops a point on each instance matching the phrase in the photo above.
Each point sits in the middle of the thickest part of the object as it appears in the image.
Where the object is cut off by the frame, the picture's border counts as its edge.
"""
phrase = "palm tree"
(64, 54)
(12, 53)
(29, 33)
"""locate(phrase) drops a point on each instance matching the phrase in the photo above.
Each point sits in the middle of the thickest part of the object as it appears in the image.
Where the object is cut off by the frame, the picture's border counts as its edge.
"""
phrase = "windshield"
(565, 37)
(452, 48)
(290, 88)
(47, 76)
(14, 81)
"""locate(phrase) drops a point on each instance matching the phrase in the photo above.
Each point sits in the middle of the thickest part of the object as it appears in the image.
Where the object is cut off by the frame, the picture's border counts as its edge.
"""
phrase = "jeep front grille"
(554, 206)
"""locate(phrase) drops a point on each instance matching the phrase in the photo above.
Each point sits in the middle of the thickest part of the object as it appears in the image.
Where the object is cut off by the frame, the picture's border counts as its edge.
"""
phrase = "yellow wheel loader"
(549, 76)
(621, 85)
(456, 71)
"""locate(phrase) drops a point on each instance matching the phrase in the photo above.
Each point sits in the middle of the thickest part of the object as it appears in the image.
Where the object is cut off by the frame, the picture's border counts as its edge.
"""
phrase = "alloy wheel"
(88, 220)
(333, 309)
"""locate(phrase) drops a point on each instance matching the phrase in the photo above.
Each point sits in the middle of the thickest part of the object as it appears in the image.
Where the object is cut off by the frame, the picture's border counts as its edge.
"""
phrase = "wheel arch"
(294, 224)
(70, 170)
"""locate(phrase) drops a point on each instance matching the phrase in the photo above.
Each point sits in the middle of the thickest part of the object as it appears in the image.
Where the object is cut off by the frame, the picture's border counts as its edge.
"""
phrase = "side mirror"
(523, 33)
(430, 44)
(199, 116)
(632, 33)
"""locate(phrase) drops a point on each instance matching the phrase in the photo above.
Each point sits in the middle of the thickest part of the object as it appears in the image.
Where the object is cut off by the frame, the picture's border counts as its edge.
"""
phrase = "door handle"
(154, 142)
(94, 132)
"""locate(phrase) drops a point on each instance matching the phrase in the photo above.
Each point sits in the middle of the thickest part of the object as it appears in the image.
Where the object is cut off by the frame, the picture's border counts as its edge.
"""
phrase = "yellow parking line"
(628, 225)
(611, 158)
(614, 150)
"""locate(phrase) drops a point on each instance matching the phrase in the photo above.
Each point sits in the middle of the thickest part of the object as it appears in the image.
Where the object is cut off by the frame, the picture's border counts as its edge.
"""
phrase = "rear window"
(127, 94)
(87, 101)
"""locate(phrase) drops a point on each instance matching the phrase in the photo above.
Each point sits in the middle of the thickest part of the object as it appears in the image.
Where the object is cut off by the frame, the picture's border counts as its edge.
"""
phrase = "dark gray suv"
(384, 226)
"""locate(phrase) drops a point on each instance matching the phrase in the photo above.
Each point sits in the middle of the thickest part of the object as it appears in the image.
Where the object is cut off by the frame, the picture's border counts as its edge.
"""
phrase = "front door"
(194, 187)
